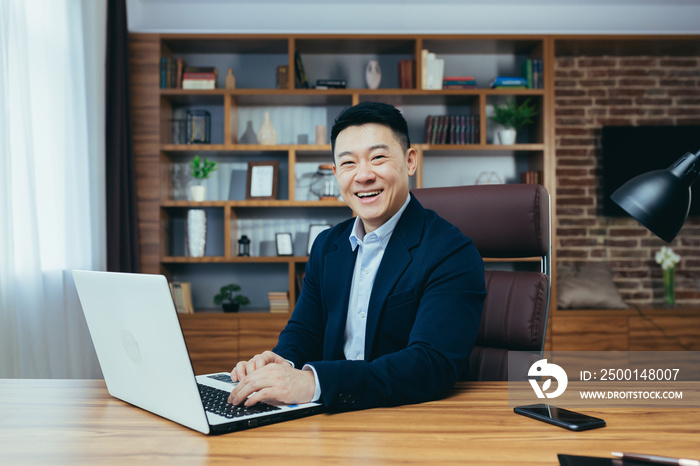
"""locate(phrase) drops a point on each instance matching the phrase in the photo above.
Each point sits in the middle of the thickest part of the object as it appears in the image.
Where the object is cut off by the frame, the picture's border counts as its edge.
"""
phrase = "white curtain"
(51, 182)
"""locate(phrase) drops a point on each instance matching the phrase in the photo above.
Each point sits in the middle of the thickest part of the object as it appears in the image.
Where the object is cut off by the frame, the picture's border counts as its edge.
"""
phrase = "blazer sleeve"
(445, 291)
(303, 337)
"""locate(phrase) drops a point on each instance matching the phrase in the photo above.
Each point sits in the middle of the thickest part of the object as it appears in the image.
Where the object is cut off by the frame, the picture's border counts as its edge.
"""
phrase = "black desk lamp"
(660, 199)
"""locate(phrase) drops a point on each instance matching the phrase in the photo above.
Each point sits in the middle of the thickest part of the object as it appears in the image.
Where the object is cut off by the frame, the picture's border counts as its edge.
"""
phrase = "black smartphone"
(560, 417)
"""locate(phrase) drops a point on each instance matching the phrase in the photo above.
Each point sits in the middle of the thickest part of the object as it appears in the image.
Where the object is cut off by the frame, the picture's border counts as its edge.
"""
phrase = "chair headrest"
(503, 221)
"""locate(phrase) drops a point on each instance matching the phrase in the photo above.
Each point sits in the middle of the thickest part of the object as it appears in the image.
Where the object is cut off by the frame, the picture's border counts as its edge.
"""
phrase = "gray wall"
(415, 16)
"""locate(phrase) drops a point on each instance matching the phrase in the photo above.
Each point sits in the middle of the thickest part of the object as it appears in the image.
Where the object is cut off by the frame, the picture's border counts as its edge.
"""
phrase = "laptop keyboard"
(216, 401)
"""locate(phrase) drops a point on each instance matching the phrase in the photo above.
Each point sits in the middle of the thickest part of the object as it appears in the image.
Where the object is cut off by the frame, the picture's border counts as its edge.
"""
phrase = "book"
(459, 82)
(180, 71)
(279, 301)
(163, 72)
(407, 74)
(193, 75)
(201, 69)
(282, 76)
(528, 73)
(300, 79)
(509, 81)
(199, 84)
(538, 75)
(424, 69)
(331, 83)
(182, 297)
(438, 72)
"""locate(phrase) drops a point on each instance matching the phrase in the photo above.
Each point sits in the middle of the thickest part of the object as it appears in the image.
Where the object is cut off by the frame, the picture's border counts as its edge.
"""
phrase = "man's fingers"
(239, 372)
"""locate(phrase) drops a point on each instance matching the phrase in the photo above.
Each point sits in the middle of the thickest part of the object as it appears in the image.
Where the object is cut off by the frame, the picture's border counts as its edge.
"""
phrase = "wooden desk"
(84, 425)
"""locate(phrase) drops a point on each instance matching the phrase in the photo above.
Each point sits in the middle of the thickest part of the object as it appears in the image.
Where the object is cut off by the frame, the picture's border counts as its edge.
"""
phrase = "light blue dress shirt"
(369, 255)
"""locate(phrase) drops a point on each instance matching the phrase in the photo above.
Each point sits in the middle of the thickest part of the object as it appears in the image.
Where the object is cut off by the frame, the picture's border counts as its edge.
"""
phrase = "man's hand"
(258, 361)
(274, 383)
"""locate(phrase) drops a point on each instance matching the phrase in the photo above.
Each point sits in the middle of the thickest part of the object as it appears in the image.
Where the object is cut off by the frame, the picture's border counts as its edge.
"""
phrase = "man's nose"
(364, 173)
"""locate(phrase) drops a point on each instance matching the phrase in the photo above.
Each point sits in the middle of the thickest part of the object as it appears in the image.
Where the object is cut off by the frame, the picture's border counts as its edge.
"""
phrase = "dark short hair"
(372, 112)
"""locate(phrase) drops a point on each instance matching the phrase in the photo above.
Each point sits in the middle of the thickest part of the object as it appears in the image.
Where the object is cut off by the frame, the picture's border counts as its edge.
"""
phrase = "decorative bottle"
(267, 135)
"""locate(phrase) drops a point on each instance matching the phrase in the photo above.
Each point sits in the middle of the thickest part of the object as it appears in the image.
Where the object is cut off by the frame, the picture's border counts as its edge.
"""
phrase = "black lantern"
(198, 127)
(244, 246)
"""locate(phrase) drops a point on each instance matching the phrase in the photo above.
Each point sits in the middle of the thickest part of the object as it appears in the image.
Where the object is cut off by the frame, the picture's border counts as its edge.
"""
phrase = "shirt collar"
(383, 233)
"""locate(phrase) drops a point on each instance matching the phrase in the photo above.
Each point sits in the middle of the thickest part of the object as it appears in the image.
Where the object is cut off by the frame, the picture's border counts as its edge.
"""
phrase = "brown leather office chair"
(509, 221)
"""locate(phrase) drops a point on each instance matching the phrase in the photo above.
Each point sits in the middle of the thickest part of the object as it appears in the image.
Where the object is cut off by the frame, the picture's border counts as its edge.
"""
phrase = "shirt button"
(360, 357)
(366, 271)
(363, 314)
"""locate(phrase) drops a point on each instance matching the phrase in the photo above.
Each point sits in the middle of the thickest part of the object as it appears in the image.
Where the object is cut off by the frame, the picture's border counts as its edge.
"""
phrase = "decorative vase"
(507, 136)
(230, 80)
(196, 232)
(320, 134)
(669, 286)
(373, 74)
(198, 193)
(249, 136)
(230, 307)
(267, 135)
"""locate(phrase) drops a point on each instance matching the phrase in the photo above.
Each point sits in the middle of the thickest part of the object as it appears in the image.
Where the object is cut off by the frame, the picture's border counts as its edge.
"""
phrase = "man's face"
(372, 172)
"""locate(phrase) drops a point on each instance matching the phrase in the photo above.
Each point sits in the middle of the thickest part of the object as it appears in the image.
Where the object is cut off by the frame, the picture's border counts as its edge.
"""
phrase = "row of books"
(531, 177)
(182, 297)
(175, 74)
(452, 129)
(279, 301)
(532, 72)
(432, 70)
(171, 70)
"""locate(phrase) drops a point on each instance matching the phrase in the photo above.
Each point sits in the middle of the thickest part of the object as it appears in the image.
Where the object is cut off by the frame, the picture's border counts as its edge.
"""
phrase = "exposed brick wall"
(592, 92)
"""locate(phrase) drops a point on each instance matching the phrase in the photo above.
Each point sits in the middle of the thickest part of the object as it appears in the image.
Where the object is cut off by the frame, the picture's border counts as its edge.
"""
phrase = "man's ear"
(411, 161)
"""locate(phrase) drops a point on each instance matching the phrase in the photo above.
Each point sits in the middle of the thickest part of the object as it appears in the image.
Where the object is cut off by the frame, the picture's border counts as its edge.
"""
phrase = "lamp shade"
(660, 199)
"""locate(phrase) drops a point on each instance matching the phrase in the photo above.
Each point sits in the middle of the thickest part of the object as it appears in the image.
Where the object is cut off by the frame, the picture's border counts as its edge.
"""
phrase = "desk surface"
(84, 425)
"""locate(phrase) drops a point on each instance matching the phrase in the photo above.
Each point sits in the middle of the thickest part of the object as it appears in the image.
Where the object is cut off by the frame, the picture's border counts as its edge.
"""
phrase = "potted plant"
(228, 298)
(200, 169)
(512, 116)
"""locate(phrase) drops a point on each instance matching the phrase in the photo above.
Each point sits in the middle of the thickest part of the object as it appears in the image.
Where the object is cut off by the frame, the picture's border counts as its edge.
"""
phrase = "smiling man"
(391, 300)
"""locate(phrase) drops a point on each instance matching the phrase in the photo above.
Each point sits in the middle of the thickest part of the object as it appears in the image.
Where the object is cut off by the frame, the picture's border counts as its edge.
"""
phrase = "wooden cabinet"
(217, 341)
(626, 330)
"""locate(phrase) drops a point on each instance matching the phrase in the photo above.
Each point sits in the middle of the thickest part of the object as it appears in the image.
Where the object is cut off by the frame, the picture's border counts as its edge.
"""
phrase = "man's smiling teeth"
(368, 194)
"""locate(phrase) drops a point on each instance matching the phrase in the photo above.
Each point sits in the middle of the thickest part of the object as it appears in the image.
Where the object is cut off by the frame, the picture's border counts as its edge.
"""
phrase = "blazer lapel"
(396, 260)
(337, 280)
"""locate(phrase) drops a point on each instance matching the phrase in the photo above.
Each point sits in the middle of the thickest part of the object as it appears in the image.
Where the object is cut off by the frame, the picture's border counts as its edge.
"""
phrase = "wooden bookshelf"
(254, 59)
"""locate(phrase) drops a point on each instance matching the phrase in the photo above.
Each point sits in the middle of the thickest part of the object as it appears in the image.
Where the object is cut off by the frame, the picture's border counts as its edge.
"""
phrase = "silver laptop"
(144, 360)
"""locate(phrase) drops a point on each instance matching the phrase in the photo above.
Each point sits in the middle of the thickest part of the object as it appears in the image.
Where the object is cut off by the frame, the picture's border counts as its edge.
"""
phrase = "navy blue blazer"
(422, 322)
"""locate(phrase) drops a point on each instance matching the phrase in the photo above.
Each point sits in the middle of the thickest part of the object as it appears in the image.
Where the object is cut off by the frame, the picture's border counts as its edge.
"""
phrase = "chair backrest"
(505, 222)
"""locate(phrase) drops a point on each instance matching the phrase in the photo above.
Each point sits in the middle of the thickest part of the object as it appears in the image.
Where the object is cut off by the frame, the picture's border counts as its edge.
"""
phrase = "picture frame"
(285, 244)
(261, 180)
(314, 230)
